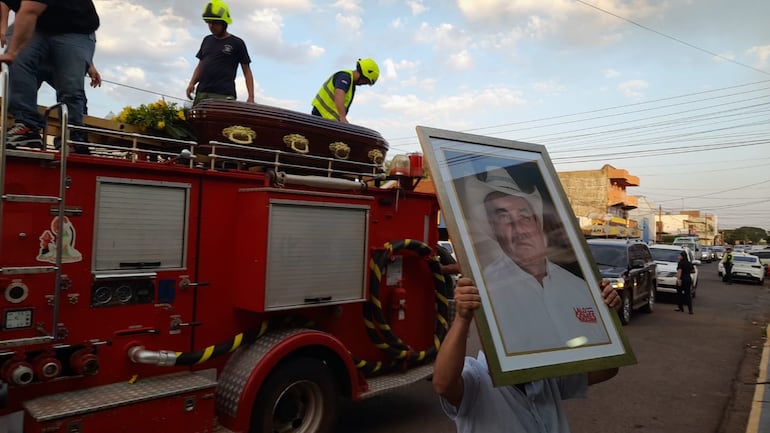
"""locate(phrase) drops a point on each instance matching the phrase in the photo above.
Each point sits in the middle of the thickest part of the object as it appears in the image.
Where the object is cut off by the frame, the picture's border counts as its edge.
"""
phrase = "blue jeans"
(66, 54)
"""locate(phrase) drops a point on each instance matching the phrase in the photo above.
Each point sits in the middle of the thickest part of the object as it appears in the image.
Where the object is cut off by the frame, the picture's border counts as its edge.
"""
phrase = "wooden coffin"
(288, 140)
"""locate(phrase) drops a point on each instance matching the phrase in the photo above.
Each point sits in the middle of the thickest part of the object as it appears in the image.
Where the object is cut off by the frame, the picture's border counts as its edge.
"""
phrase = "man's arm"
(452, 268)
(611, 299)
(23, 28)
(96, 77)
(249, 77)
(448, 370)
(339, 102)
(4, 12)
(194, 80)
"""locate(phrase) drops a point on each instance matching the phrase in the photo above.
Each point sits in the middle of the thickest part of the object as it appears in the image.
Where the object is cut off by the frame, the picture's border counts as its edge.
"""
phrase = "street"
(694, 373)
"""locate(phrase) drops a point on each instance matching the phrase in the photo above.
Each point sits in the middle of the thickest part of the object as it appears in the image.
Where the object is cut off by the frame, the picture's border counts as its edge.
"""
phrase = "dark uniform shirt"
(68, 16)
(219, 63)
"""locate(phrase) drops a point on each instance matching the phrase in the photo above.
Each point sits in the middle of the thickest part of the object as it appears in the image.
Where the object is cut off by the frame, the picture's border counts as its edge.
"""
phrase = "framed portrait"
(542, 312)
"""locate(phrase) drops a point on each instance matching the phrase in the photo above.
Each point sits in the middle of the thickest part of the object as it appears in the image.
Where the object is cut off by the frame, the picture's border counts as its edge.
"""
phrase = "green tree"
(745, 235)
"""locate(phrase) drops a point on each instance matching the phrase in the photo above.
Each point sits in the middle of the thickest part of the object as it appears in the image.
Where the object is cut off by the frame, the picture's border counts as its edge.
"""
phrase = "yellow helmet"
(369, 69)
(217, 10)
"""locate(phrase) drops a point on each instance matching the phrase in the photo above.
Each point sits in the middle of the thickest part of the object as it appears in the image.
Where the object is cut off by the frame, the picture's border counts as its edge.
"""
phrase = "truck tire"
(300, 396)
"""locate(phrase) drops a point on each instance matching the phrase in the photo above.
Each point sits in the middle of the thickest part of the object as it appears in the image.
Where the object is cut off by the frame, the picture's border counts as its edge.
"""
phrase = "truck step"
(76, 403)
(382, 384)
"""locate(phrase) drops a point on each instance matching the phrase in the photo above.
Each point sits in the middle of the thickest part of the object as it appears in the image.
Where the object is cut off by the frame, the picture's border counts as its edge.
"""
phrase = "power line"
(145, 90)
(599, 110)
(674, 38)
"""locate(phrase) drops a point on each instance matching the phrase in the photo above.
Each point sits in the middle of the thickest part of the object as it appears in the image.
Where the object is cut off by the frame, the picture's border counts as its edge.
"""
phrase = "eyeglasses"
(502, 216)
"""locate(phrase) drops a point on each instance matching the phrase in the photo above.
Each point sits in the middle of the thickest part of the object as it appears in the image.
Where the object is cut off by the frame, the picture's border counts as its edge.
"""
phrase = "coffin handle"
(340, 150)
(239, 134)
(297, 143)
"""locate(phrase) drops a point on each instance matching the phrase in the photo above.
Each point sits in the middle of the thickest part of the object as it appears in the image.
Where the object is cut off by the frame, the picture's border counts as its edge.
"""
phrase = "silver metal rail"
(27, 198)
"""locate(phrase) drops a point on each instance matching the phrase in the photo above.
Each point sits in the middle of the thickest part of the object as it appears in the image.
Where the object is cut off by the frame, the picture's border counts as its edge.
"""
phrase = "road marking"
(759, 392)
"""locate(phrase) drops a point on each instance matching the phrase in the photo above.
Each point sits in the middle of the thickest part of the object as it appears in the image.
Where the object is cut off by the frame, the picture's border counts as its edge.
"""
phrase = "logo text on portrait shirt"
(585, 314)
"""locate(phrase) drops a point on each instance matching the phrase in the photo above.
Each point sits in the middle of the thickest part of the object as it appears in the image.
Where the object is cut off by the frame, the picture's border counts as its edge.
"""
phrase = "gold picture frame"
(516, 236)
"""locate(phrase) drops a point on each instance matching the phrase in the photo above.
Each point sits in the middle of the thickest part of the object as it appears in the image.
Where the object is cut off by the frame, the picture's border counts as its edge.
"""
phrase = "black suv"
(629, 266)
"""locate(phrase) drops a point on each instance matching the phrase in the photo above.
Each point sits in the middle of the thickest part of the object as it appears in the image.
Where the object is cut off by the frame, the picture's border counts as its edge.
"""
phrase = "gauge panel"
(17, 318)
(119, 291)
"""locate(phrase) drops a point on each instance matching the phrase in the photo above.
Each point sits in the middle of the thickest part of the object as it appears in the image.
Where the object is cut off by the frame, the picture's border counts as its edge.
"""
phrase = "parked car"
(667, 258)
(630, 269)
(718, 251)
(690, 242)
(707, 254)
(764, 258)
(746, 267)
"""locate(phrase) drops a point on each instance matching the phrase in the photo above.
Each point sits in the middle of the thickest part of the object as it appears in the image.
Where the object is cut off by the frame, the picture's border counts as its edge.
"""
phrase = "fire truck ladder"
(26, 198)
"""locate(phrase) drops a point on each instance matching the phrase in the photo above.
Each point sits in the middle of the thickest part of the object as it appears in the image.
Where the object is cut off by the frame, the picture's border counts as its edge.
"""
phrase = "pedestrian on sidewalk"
(684, 271)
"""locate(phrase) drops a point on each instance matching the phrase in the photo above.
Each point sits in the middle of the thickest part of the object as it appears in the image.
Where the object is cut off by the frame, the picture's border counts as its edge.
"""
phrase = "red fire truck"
(158, 285)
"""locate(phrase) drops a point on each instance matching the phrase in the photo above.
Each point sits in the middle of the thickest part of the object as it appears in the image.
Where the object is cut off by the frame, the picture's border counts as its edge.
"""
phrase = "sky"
(675, 91)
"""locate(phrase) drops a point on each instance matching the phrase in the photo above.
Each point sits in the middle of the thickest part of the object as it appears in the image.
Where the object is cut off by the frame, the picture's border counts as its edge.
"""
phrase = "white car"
(447, 245)
(764, 258)
(667, 259)
(745, 267)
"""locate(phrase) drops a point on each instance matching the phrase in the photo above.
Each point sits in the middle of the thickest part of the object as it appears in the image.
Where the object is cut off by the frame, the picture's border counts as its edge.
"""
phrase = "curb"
(757, 423)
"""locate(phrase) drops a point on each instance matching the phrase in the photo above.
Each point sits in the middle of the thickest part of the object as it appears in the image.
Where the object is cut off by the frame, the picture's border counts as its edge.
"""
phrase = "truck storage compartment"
(314, 252)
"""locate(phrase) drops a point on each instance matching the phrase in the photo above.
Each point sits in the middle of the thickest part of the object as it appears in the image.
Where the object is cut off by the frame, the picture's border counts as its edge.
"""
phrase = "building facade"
(601, 201)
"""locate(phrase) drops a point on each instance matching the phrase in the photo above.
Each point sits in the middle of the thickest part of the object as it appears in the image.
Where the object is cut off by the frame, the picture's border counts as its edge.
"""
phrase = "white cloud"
(611, 73)
(349, 6)
(285, 5)
(390, 69)
(552, 87)
(762, 53)
(351, 23)
(444, 36)
(724, 57)
(417, 7)
(571, 23)
(633, 88)
(263, 33)
(454, 105)
(461, 61)
(424, 84)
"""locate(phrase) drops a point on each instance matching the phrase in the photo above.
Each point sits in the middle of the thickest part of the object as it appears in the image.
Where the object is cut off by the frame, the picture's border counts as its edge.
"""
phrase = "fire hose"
(166, 358)
(377, 327)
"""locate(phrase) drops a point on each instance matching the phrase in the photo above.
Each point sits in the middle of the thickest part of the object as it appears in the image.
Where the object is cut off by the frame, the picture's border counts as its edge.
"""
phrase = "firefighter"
(61, 34)
(337, 92)
(218, 59)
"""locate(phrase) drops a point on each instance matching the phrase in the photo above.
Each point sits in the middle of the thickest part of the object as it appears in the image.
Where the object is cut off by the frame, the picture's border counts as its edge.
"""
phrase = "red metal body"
(225, 233)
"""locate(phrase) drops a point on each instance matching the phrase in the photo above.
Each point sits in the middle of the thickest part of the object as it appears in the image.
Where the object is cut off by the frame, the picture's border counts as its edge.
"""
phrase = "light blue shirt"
(486, 409)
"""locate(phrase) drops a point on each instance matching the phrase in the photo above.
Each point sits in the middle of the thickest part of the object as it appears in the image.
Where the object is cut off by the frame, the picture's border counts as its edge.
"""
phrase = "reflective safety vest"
(324, 100)
(728, 258)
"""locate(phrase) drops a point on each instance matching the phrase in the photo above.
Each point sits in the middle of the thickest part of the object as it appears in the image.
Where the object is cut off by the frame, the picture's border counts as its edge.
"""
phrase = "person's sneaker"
(21, 135)
(81, 137)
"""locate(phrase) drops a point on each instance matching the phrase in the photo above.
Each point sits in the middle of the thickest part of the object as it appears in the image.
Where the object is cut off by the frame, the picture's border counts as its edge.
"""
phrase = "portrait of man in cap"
(537, 304)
